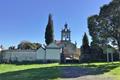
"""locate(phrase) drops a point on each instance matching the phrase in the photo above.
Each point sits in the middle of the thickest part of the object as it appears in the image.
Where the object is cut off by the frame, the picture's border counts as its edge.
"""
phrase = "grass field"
(52, 71)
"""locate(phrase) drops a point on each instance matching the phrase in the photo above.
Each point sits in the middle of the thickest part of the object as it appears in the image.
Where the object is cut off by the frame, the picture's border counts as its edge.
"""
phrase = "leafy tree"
(49, 33)
(28, 45)
(11, 48)
(37, 45)
(105, 27)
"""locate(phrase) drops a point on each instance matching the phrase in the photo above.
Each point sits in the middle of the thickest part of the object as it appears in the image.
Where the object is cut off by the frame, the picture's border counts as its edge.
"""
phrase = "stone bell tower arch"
(66, 34)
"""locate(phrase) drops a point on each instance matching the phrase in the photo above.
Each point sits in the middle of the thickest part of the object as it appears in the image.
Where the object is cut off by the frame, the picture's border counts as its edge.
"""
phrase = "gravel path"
(90, 77)
(77, 73)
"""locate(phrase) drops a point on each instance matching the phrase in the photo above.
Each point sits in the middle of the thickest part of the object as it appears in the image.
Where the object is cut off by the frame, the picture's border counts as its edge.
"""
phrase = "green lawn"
(29, 72)
(52, 71)
(107, 69)
(115, 72)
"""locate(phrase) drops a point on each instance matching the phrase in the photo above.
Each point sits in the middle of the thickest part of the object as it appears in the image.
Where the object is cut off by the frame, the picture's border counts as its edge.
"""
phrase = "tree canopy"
(28, 45)
(49, 32)
(105, 27)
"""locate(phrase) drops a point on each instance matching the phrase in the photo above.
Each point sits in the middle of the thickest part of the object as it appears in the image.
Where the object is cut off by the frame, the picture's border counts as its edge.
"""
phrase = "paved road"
(77, 73)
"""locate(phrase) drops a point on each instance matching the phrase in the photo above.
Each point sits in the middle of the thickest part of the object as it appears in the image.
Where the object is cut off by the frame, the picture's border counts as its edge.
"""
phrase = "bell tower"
(66, 34)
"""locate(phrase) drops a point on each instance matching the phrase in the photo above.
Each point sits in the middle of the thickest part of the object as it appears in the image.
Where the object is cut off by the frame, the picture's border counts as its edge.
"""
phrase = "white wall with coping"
(40, 54)
(19, 55)
(52, 52)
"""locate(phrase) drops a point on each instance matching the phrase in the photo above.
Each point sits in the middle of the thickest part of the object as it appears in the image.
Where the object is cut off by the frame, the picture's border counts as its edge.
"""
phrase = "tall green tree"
(105, 27)
(85, 41)
(49, 32)
(85, 44)
(85, 50)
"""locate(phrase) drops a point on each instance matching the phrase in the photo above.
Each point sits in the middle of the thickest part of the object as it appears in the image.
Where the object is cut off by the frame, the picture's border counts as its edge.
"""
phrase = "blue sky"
(27, 19)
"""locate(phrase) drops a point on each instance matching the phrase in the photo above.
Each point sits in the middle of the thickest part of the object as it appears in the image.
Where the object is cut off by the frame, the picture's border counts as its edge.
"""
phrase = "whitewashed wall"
(40, 54)
(53, 54)
(19, 55)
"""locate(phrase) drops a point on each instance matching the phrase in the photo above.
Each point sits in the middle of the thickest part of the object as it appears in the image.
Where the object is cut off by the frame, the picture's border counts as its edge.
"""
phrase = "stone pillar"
(112, 57)
(107, 57)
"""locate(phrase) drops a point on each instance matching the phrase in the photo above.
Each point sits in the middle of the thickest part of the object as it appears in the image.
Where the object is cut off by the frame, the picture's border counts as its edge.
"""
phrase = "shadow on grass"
(50, 73)
(101, 69)
(91, 69)
(46, 73)
(29, 62)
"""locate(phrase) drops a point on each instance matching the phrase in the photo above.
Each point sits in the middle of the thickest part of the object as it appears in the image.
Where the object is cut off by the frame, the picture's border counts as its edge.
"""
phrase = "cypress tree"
(85, 48)
(49, 33)
(85, 41)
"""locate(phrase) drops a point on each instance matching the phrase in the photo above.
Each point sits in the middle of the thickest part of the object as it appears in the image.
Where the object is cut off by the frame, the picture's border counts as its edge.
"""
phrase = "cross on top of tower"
(66, 25)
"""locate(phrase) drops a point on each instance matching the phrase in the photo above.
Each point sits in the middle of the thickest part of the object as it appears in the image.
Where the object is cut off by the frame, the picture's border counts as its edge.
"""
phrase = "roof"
(59, 43)
(53, 45)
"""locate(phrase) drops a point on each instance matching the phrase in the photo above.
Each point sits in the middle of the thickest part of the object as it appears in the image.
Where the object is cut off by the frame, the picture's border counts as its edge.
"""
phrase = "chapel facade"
(69, 49)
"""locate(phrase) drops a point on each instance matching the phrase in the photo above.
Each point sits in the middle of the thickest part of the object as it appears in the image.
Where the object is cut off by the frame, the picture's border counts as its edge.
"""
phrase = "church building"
(58, 51)
(69, 49)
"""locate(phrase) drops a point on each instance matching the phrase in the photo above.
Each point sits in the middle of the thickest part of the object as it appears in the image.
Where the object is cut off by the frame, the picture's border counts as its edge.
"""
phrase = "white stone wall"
(53, 54)
(40, 54)
(19, 55)
(32, 55)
